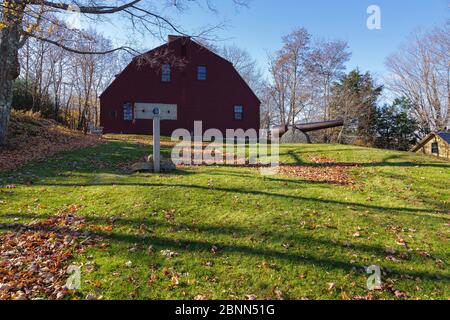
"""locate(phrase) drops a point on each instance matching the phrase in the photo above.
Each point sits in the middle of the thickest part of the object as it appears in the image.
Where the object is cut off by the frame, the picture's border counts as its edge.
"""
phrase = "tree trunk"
(9, 62)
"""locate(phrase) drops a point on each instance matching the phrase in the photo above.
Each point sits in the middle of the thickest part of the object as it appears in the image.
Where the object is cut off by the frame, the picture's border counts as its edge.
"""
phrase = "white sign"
(155, 112)
(144, 111)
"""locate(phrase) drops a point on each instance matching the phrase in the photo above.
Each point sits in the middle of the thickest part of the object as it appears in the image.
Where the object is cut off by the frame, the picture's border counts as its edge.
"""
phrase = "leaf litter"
(323, 169)
(34, 257)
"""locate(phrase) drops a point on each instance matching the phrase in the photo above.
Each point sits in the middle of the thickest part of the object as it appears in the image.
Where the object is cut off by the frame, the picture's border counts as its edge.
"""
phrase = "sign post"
(155, 112)
(156, 140)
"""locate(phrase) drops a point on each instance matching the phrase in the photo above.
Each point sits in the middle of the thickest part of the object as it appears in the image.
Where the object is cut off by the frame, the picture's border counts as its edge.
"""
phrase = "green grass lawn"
(238, 233)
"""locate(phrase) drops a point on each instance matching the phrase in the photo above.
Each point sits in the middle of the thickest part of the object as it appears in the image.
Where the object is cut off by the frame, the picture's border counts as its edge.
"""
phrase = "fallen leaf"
(175, 280)
(42, 249)
(128, 264)
(215, 249)
(278, 294)
(400, 294)
(169, 253)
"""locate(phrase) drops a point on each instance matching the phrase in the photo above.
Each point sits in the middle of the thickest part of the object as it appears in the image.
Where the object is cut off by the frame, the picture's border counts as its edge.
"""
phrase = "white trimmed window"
(127, 111)
(166, 73)
(435, 148)
(201, 73)
(238, 112)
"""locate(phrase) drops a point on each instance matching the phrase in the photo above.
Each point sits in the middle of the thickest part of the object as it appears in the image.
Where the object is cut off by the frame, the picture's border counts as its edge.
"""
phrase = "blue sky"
(260, 27)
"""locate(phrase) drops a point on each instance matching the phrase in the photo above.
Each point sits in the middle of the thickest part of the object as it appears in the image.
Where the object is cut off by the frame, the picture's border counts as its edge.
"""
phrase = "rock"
(91, 297)
(294, 136)
(166, 165)
(142, 166)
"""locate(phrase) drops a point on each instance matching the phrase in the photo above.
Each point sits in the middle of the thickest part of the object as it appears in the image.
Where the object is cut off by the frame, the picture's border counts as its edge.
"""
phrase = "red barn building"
(203, 86)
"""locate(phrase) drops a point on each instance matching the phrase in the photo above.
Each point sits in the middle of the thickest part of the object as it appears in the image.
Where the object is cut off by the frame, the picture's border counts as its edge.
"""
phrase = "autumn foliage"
(31, 138)
(33, 257)
(321, 170)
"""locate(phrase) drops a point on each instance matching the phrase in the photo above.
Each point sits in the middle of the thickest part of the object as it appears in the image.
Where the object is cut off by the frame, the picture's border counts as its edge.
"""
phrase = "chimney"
(172, 38)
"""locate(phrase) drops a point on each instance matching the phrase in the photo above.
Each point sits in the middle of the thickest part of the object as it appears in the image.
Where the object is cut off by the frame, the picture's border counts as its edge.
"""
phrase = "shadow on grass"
(188, 246)
(390, 161)
(295, 157)
(250, 192)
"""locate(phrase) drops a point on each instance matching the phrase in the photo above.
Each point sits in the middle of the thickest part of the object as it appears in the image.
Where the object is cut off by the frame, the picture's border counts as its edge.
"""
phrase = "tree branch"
(78, 51)
(86, 9)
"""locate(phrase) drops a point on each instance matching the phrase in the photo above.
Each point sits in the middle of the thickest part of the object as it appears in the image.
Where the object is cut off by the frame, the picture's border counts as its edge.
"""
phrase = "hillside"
(216, 232)
(33, 138)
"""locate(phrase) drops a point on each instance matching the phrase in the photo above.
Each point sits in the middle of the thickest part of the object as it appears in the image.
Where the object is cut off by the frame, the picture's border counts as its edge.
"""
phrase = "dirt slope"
(33, 138)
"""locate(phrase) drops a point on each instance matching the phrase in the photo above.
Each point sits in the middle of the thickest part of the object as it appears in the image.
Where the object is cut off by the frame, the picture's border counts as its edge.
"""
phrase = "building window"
(165, 77)
(238, 112)
(128, 112)
(435, 148)
(201, 73)
(113, 114)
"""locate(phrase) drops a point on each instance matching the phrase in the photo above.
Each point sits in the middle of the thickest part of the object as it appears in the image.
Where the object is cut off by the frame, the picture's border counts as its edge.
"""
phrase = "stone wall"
(444, 149)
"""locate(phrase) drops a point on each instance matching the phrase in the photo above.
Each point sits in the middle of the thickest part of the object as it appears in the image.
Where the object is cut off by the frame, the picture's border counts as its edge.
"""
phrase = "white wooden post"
(156, 140)
(155, 112)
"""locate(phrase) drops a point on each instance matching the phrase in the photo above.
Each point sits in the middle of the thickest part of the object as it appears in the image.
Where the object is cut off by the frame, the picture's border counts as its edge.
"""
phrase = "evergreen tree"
(355, 100)
(395, 127)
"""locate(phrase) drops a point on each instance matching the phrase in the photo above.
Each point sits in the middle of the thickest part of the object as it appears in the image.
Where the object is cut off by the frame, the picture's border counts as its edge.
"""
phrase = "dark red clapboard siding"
(211, 101)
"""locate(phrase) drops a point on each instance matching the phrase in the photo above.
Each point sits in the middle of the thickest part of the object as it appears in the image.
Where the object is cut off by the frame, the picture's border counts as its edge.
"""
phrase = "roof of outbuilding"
(445, 136)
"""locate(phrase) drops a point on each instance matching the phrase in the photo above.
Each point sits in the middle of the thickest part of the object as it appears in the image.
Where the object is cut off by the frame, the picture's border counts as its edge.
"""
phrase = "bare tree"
(268, 109)
(62, 82)
(246, 66)
(327, 64)
(420, 71)
(288, 67)
(90, 74)
(20, 20)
